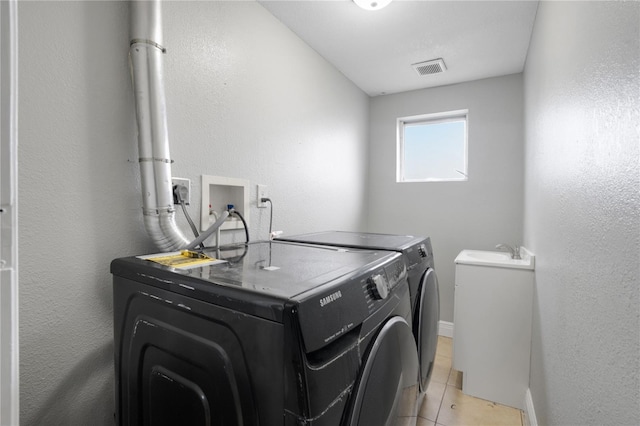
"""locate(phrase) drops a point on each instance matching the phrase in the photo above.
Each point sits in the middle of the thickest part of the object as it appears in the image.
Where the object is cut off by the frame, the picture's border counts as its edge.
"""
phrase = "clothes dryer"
(423, 282)
(279, 334)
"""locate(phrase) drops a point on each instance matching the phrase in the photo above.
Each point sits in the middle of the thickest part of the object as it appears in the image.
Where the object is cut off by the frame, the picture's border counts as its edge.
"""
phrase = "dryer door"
(426, 325)
(387, 387)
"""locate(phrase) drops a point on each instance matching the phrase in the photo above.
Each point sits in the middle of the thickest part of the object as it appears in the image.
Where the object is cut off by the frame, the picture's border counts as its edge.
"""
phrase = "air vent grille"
(430, 67)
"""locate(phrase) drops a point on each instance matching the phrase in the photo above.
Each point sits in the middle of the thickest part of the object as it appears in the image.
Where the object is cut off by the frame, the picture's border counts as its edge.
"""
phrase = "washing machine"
(278, 334)
(423, 282)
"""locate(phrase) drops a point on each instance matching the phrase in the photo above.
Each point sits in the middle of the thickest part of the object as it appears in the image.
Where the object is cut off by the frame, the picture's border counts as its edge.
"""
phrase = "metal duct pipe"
(153, 142)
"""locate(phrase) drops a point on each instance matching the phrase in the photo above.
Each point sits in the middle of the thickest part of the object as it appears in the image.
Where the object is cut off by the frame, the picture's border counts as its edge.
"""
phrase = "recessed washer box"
(217, 193)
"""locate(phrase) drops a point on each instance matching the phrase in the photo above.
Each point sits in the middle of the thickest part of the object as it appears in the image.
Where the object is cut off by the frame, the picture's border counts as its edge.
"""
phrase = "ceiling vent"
(435, 66)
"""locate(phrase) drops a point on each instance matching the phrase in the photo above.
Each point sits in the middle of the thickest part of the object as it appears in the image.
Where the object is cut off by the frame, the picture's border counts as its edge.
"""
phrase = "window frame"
(426, 119)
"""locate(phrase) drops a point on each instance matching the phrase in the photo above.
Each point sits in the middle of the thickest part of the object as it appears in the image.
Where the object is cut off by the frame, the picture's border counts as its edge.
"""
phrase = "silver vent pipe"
(146, 52)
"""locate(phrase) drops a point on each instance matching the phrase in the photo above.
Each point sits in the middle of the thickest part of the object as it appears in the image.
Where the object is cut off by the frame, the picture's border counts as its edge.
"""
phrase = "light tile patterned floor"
(446, 405)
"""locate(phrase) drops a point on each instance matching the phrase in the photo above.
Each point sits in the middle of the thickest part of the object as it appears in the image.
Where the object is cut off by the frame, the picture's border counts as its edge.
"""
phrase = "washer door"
(387, 387)
(426, 325)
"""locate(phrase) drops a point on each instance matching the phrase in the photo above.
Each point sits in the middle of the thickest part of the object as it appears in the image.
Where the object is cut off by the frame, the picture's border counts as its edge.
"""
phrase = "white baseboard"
(445, 328)
(529, 412)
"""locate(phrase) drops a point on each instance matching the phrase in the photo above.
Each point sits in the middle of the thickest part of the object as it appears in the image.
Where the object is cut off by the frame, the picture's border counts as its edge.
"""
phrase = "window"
(432, 147)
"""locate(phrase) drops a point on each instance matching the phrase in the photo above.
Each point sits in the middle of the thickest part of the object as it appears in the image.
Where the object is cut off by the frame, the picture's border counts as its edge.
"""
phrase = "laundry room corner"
(478, 213)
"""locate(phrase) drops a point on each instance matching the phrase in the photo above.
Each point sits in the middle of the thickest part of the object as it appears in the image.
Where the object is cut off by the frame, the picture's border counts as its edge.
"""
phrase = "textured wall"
(477, 214)
(78, 205)
(246, 98)
(582, 91)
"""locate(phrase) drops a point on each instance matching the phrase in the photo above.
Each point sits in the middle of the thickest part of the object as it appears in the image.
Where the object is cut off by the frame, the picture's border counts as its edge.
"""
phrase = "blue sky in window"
(434, 151)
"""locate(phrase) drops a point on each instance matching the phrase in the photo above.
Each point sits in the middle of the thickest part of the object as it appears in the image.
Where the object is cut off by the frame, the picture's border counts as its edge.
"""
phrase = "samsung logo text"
(330, 298)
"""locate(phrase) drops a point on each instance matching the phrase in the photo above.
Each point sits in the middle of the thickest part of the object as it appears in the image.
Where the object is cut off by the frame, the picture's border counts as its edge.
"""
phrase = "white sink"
(498, 259)
(493, 308)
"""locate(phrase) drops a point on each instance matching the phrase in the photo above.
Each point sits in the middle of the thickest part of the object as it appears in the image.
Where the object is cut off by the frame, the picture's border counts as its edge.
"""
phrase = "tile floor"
(446, 405)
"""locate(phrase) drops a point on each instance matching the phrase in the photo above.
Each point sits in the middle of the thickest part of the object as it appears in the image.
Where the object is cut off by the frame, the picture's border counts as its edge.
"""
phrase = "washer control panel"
(378, 286)
(396, 272)
(335, 310)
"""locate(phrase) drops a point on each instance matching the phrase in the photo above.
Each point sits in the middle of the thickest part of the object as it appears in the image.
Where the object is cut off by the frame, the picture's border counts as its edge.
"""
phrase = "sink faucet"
(515, 252)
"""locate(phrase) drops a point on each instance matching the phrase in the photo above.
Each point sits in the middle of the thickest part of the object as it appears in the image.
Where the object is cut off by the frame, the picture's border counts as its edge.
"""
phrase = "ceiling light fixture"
(372, 4)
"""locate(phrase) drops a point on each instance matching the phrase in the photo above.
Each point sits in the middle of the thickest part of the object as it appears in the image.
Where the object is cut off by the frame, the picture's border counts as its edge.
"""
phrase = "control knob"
(378, 286)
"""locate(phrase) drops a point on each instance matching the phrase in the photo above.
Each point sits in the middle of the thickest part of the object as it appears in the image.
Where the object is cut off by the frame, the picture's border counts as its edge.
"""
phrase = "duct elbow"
(163, 230)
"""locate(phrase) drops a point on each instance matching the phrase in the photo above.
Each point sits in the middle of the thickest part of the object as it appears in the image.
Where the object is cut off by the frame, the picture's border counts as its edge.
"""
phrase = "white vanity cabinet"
(492, 328)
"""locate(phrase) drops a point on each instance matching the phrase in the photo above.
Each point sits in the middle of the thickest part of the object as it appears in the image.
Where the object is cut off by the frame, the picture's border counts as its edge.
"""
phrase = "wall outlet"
(184, 182)
(262, 193)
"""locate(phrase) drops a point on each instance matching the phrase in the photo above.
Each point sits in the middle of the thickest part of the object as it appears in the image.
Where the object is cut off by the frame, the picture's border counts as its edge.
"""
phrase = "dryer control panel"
(419, 255)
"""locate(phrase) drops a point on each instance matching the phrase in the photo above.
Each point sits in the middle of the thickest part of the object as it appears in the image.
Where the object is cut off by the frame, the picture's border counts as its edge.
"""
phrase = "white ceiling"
(375, 49)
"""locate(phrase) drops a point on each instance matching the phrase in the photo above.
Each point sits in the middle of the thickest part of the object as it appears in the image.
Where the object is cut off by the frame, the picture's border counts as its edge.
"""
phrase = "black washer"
(279, 334)
(423, 282)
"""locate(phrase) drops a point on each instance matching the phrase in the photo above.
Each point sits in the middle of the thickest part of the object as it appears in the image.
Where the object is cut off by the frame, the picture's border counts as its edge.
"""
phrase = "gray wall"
(246, 98)
(477, 214)
(582, 92)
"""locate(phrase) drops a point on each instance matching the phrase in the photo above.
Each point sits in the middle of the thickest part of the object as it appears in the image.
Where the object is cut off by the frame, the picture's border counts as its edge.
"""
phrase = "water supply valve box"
(219, 192)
